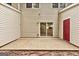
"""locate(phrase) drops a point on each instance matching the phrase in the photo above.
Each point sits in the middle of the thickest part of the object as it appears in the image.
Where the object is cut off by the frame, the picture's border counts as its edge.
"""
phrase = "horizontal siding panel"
(9, 25)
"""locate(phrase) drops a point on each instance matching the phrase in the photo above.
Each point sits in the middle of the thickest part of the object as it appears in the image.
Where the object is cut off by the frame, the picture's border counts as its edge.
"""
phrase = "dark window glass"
(9, 3)
(55, 5)
(29, 5)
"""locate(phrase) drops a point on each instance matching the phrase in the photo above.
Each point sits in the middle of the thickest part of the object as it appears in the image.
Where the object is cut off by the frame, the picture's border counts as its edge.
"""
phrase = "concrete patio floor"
(39, 44)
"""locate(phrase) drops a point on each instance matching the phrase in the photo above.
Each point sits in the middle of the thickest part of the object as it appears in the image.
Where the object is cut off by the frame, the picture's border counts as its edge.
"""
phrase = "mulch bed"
(38, 53)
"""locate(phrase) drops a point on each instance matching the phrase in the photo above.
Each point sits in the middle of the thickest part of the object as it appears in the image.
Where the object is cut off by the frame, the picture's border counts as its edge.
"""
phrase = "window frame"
(28, 6)
(32, 5)
(54, 6)
(62, 6)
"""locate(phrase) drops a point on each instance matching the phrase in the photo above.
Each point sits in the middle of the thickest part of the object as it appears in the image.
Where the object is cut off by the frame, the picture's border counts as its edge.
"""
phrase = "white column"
(19, 6)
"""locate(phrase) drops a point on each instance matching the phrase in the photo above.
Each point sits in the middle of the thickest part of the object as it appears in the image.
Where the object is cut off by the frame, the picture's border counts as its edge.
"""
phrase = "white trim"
(39, 29)
(18, 6)
(10, 7)
(46, 29)
(66, 8)
(58, 5)
(24, 5)
(51, 5)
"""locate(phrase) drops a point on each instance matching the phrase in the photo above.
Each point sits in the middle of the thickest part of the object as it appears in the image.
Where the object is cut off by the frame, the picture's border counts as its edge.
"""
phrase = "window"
(28, 5)
(9, 3)
(62, 5)
(55, 5)
(36, 5)
(32, 5)
(68, 4)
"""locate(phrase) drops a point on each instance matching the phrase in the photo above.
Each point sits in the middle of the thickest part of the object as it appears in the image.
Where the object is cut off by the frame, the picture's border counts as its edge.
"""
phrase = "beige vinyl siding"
(9, 24)
(32, 16)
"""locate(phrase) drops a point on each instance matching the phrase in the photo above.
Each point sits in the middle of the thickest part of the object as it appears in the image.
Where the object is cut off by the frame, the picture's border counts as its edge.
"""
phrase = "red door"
(66, 30)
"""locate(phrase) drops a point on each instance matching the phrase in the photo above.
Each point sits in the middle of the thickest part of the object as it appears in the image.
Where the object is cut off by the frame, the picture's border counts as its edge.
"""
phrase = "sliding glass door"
(46, 29)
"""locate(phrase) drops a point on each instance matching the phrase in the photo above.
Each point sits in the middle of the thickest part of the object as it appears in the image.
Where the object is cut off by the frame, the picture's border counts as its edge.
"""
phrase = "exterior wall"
(9, 24)
(73, 14)
(32, 16)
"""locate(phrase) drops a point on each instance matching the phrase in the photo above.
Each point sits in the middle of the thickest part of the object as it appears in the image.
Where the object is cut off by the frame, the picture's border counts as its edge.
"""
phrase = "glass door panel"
(49, 29)
(42, 29)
